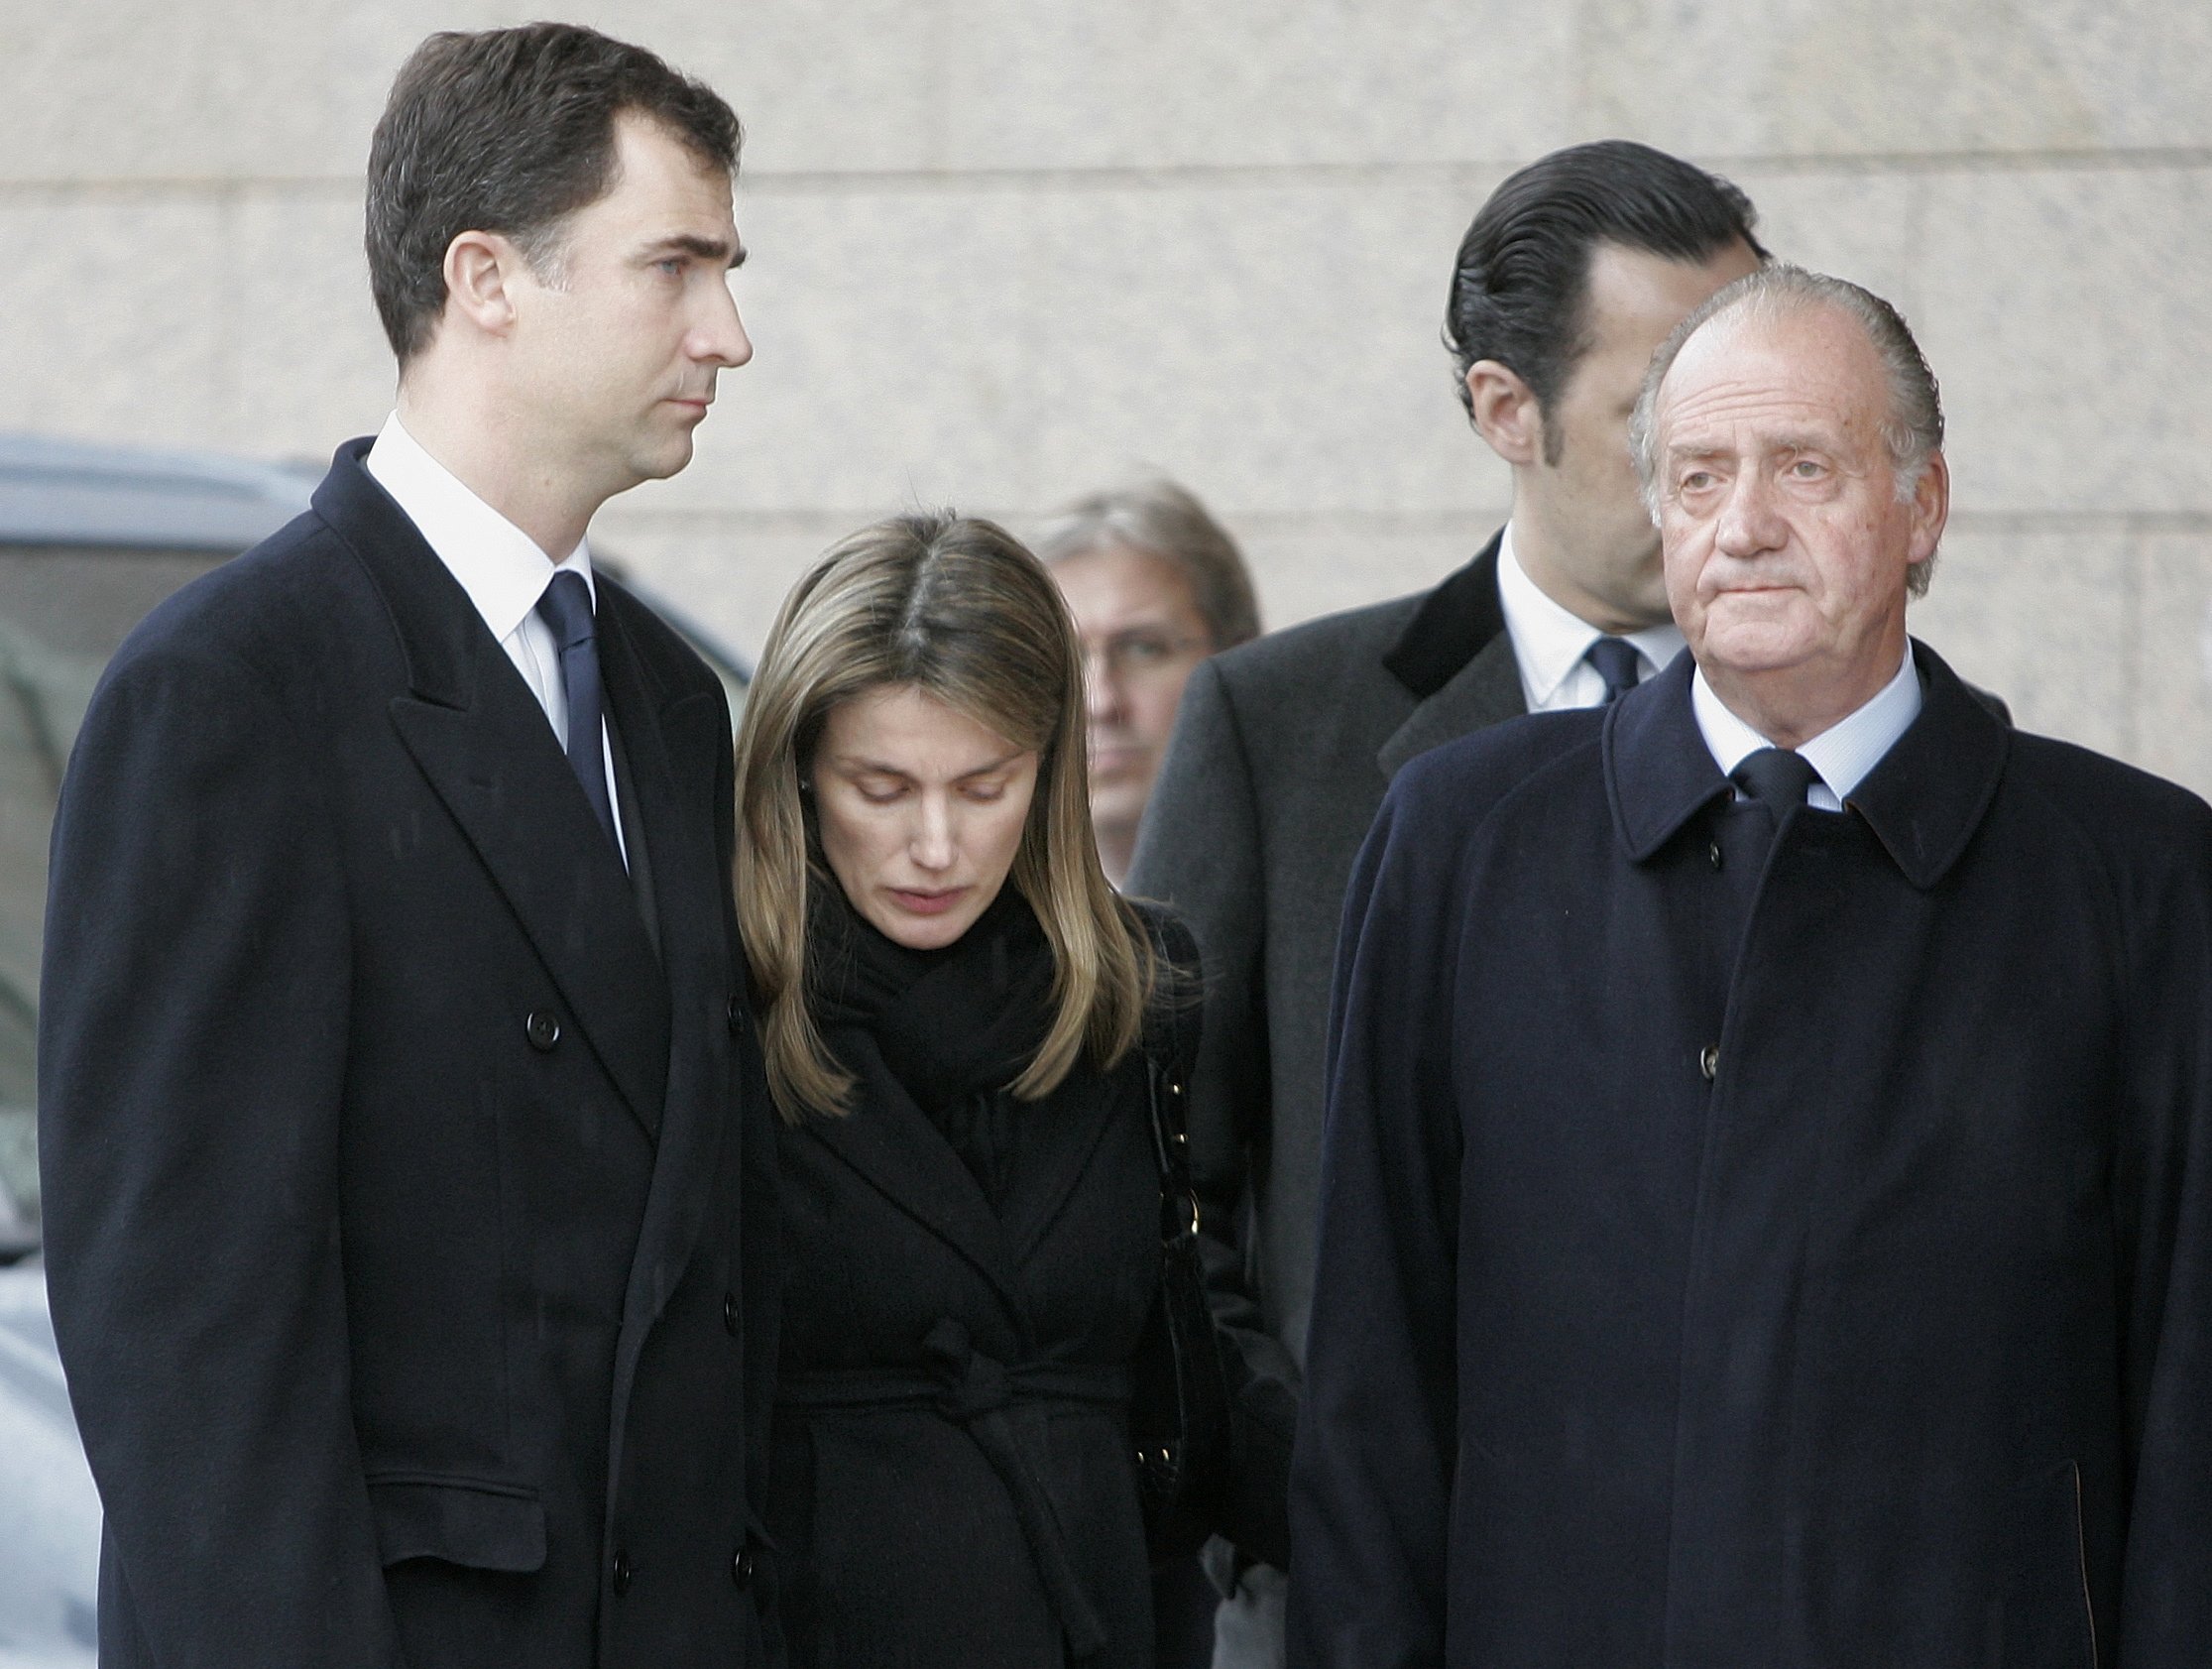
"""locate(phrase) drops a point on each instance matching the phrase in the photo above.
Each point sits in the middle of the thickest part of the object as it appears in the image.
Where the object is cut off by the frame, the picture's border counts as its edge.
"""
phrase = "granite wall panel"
(1004, 252)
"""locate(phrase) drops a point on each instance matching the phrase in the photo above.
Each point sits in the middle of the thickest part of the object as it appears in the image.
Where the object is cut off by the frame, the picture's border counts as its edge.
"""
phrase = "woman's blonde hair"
(958, 609)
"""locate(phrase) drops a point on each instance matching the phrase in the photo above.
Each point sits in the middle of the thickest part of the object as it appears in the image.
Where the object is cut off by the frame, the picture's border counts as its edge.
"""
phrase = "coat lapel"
(482, 742)
(1486, 692)
(898, 1152)
(1059, 1136)
(1455, 658)
(672, 753)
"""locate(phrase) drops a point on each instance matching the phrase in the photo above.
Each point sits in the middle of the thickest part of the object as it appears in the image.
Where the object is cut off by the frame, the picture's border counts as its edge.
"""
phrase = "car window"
(64, 611)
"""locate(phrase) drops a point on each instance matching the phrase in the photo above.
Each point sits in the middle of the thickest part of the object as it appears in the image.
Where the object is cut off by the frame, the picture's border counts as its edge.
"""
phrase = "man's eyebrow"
(707, 249)
(1801, 440)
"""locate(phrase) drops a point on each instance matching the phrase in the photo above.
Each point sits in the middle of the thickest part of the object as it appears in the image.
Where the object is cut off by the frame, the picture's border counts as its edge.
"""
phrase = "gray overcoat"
(1281, 755)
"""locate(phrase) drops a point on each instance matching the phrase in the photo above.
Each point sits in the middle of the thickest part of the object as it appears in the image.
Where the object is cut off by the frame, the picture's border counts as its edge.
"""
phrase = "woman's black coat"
(949, 1371)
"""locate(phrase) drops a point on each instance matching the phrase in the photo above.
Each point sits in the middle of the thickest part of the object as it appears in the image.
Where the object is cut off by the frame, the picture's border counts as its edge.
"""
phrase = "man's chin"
(1749, 653)
(665, 460)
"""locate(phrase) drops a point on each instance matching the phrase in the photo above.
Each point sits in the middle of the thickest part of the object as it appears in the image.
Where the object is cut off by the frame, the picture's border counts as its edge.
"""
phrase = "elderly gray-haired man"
(1767, 1215)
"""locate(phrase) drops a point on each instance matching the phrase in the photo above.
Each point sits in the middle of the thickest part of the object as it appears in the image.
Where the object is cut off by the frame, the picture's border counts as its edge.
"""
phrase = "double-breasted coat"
(1802, 1261)
(408, 1180)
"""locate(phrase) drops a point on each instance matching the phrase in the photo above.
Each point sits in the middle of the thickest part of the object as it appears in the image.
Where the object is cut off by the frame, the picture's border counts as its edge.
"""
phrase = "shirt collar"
(1922, 802)
(499, 565)
(1841, 755)
(1550, 640)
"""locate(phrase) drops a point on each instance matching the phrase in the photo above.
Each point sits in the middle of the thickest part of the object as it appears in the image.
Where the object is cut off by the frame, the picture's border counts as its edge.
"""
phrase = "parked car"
(91, 539)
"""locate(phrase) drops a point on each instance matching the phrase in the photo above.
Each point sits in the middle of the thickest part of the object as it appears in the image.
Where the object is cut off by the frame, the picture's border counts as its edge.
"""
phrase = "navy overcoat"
(1802, 1264)
(410, 1189)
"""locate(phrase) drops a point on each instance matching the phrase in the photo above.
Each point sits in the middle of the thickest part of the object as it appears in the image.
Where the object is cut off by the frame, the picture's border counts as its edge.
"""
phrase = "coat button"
(625, 1573)
(736, 1012)
(543, 1030)
(729, 1313)
(741, 1567)
(1713, 852)
(1709, 1062)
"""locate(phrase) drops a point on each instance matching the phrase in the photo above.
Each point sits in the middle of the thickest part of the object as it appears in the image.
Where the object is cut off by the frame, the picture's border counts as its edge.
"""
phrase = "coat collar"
(893, 1146)
(481, 741)
(1923, 800)
(1454, 623)
(1455, 658)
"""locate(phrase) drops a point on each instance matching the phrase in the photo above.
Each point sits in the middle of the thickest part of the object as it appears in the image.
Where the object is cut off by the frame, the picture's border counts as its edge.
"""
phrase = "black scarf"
(954, 1027)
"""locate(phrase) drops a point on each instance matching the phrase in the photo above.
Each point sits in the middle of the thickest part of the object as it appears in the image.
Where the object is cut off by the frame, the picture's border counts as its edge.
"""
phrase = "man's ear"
(1506, 413)
(480, 273)
(1931, 507)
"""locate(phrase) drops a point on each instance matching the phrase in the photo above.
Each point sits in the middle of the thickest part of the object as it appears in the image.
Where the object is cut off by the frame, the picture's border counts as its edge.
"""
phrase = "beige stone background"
(1006, 249)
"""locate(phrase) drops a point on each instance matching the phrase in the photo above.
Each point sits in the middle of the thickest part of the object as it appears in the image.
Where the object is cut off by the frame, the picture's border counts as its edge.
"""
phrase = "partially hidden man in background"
(1570, 277)
(407, 1160)
(1766, 1213)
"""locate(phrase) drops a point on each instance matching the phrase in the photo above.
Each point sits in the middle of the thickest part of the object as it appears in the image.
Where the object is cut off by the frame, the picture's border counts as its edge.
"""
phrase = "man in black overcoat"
(1568, 276)
(1767, 1207)
(409, 1181)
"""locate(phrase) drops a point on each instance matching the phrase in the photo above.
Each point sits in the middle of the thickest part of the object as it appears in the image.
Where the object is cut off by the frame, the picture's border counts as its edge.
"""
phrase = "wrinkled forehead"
(1807, 369)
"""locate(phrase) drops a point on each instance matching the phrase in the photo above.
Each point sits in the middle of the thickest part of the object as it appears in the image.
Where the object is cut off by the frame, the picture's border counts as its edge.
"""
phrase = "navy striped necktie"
(566, 608)
(1777, 778)
(1618, 662)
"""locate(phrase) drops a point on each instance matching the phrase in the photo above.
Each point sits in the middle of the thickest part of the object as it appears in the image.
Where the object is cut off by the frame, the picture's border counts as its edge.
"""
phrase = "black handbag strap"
(1170, 1044)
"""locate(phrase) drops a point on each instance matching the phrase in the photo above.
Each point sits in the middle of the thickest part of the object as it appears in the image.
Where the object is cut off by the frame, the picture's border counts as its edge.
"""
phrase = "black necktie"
(1618, 662)
(566, 608)
(1777, 778)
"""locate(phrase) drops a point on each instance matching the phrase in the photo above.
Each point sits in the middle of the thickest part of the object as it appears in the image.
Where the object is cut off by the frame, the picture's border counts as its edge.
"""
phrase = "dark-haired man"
(409, 1220)
(1767, 1209)
(1570, 275)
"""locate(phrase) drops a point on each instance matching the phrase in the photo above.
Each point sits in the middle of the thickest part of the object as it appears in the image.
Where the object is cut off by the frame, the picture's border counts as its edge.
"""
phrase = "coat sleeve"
(1371, 1478)
(2162, 1192)
(192, 1061)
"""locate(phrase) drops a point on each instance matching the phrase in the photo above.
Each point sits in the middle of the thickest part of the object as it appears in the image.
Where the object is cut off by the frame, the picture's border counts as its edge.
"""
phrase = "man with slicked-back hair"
(1570, 275)
(409, 1215)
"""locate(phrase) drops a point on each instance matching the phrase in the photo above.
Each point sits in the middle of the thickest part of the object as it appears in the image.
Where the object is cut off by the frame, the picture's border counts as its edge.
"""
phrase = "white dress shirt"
(501, 568)
(1841, 755)
(1548, 641)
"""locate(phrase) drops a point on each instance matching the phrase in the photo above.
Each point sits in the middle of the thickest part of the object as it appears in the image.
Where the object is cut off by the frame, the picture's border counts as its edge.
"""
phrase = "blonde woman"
(955, 1011)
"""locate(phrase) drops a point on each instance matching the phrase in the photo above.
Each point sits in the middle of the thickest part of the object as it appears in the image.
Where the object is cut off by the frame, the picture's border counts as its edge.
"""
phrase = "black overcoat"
(409, 1182)
(1839, 1300)
(953, 1479)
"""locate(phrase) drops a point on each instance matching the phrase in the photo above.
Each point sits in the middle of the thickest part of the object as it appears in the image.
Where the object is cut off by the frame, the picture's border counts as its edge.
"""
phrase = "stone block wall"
(1004, 250)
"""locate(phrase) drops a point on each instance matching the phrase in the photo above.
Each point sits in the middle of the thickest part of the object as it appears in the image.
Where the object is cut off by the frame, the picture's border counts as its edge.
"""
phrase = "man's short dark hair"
(1518, 285)
(510, 131)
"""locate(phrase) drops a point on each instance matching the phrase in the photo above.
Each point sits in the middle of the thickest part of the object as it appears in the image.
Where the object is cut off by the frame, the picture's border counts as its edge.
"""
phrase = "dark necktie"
(566, 608)
(1618, 662)
(1777, 778)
